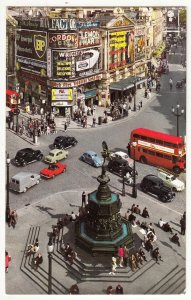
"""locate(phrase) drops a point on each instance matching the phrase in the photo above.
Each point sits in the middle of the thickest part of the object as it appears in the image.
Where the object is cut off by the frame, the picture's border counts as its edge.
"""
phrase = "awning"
(127, 83)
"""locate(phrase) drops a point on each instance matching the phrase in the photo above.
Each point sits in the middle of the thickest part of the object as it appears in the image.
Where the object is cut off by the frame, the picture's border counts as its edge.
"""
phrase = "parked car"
(120, 167)
(154, 185)
(22, 181)
(179, 84)
(53, 170)
(55, 155)
(122, 155)
(92, 158)
(171, 181)
(64, 142)
(26, 156)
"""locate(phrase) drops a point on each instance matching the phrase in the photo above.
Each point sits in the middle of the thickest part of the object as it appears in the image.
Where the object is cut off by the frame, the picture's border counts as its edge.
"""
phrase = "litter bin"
(100, 120)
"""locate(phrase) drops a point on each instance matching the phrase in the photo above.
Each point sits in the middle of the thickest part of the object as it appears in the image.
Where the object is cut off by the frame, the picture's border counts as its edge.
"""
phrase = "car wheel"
(145, 189)
(174, 189)
(143, 160)
(176, 170)
(163, 198)
(37, 182)
(25, 189)
(24, 164)
(53, 176)
(40, 157)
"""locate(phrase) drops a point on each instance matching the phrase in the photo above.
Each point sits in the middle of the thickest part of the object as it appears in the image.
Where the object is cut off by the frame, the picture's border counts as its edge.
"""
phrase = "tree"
(182, 17)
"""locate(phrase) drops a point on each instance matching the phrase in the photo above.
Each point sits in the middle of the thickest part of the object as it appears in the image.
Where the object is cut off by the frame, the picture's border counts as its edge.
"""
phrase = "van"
(22, 181)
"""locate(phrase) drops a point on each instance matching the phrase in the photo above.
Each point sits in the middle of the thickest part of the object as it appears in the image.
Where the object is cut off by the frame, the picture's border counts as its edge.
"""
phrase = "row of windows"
(158, 154)
(156, 141)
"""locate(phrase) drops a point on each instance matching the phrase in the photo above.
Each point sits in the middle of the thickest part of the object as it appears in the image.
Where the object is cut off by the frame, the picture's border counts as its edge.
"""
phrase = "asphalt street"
(155, 115)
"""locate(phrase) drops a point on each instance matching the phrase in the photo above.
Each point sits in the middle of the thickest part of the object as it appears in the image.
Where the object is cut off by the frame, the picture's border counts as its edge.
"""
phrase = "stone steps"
(172, 283)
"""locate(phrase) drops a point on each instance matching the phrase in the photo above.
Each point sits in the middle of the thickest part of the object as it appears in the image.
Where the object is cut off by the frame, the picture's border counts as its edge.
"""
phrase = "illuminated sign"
(61, 94)
(139, 47)
(31, 65)
(31, 44)
(89, 62)
(89, 24)
(89, 37)
(63, 66)
(62, 24)
(121, 22)
(63, 40)
(78, 82)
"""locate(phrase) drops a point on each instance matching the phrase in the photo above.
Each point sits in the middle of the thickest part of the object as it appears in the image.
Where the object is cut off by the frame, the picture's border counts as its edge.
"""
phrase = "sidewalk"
(90, 273)
(74, 125)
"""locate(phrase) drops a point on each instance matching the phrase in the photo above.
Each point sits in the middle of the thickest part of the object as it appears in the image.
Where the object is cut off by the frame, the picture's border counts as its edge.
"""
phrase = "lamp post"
(7, 199)
(134, 94)
(17, 114)
(134, 190)
(178, 113)
(123, 187)
(50, 249)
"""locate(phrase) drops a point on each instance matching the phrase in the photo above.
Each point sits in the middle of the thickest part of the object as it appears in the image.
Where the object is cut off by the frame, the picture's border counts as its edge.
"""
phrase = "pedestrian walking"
(7, 261)
(170, 83)
(109, 290)
(156, 255)
(74, 289)
(183, 225)
(113, 265)
(145, 213)
(94, 122)
(12, 218)
(120, 255)
(38, 260)
(83, 199)
(125, 255)
(65, 126)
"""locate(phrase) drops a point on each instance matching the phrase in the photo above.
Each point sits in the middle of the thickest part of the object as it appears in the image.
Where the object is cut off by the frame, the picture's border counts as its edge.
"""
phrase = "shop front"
(91, 97)
(62, 101)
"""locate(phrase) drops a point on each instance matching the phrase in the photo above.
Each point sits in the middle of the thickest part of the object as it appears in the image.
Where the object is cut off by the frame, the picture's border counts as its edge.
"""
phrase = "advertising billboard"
(139, 44)
(121, 49)
(79, 63)
(89, 37)
(31, 44)
(62, 24)
(63, 40)
(61, 94)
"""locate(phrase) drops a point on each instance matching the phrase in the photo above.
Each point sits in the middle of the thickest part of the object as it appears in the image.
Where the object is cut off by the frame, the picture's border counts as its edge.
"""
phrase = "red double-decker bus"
(12, 99)
(157, 148)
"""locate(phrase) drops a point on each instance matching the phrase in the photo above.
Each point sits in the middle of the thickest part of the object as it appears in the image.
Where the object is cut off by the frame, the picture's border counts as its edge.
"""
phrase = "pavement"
(90, 273)
(99, 112)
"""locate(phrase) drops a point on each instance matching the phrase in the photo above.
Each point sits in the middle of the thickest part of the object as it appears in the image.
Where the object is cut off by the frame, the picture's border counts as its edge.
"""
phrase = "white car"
(171, 181)
(124, 156)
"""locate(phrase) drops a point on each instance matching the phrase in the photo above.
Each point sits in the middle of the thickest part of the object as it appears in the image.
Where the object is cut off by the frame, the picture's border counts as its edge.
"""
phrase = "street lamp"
(7, 200)
(134, 190)
(50, 249)
(123, 187)
(17, 114)
(134, 95)
(178, 113)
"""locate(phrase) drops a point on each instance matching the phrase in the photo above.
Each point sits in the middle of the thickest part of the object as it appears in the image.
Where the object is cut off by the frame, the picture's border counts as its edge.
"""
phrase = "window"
(136, 136)
(144, 150)
(144, 138)
(151, 152)
(167, 157)
(159, 142)
(168, 144)
(159, 154)
(151, 140)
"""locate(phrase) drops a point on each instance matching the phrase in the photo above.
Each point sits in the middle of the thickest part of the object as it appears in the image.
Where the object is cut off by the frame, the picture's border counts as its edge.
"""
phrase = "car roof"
(26, 150)
(153, 178)
(120, 153)
(90, 152)
(55, 151)
(23, 175)
(119, 159)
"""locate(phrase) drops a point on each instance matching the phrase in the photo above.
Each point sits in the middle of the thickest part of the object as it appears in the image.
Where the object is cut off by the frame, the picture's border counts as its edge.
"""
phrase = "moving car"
(53, 170)
(179, 84)
(92, 158)
(122, 155)
(120, 167)
(26, 156)
(171, 181)
(154, 185)
(55, 155)
(63, 142)
(22, 181)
